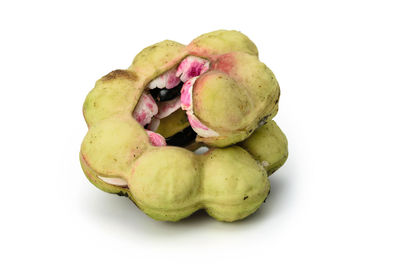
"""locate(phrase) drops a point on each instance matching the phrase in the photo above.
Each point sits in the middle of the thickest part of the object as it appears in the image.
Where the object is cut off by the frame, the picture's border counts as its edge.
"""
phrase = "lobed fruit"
(268, 145)
(146, 122)
(227, 183)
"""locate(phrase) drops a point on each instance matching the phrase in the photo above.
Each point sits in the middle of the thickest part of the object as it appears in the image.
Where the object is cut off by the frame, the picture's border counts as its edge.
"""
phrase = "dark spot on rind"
(122, 194)
(119, 74)
(246, 197)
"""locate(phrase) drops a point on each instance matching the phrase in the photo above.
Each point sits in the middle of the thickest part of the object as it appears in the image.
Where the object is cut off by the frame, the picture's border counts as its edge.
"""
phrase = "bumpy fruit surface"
(146, 122)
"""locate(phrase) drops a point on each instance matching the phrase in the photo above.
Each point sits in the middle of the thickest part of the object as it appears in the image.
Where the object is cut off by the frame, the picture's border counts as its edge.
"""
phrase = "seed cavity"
(167, 108)
(164, 94)
(167, 93)
(182, 138)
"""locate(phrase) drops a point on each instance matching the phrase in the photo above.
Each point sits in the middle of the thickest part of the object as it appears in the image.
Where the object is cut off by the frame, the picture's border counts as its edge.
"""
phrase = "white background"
(334, 203)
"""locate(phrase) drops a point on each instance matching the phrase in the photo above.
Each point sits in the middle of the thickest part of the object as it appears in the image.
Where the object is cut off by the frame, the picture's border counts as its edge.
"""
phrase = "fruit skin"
(252, 93)
(115, 94)
(268, 145)
(234, 184)
(235, 68)
(157, 59)
(229, 183)
(221, 42)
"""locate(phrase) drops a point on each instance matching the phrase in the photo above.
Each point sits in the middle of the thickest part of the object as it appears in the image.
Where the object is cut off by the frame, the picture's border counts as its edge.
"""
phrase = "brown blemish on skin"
(123, 194)
(119, 74)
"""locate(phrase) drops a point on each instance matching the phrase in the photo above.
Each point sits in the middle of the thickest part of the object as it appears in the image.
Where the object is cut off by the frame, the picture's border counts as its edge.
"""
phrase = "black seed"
(183, 138)
(164, 94)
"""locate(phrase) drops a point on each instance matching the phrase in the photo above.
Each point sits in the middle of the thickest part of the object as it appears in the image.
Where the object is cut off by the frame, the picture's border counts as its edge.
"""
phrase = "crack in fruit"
(168, 107)
(161, 95)
(183, 129)
(183, 138)
(114, 181)
(187, 104)
(166, 94)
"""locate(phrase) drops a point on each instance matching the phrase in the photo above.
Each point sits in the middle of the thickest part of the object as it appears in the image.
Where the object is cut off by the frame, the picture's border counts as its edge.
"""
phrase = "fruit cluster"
(187, 128)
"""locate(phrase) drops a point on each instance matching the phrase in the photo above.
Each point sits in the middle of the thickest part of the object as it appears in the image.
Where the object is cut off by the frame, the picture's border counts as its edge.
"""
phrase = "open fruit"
(186, 128)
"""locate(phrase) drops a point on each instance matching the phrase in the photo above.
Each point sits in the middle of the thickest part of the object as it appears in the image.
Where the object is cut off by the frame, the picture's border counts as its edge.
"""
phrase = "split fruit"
(187, 128)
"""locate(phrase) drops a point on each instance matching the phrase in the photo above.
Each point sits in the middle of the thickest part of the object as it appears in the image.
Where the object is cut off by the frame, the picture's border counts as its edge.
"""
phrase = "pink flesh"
(153, 125)
(167, 80)
(186, 104)
(168, 107)
(172, 80)
(191, 67)
(145, 109)
(188, 71)
(156, 139)
(195, 123)
(199, 127)
(186, 93)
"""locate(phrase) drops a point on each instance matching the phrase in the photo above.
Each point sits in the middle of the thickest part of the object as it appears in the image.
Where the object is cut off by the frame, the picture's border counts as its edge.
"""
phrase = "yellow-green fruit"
(234, 184)
(252, 94)
(156, 59)
(93, 177)
(115, 94)
(268, 144)
(226, 98)
(170, 183)
(220, 103)
(221, 42)
(165, 183)
(109, 149)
